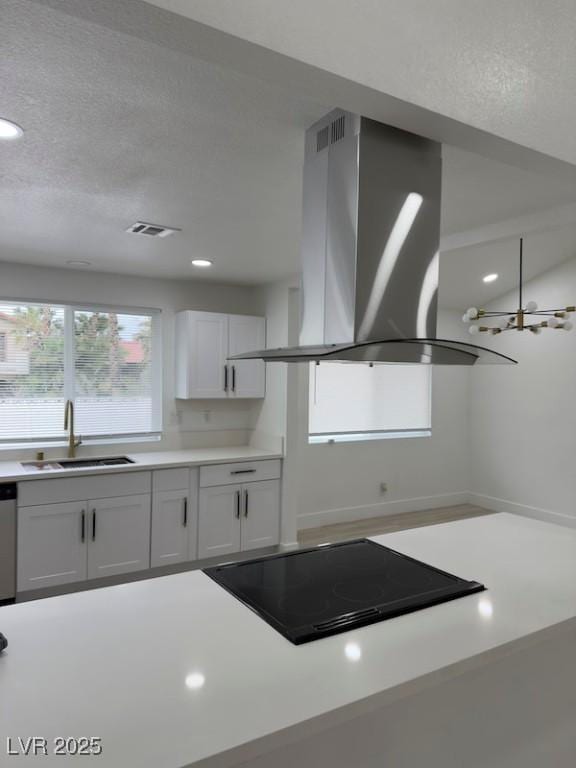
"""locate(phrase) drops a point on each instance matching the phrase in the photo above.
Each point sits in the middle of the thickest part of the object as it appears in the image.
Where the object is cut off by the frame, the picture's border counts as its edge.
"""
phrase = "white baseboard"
(501, 505)
(348, 514)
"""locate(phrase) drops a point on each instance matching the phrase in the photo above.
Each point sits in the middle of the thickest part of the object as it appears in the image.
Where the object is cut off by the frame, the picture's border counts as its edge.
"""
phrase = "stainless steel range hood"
(370, 240)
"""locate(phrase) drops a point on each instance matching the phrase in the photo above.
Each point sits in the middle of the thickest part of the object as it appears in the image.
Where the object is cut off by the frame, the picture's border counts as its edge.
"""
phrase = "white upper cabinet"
(247, 377)
(201, 352)
(204, 341)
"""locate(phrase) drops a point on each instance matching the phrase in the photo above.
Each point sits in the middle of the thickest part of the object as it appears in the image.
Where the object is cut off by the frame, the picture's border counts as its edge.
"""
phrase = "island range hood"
(370, 249)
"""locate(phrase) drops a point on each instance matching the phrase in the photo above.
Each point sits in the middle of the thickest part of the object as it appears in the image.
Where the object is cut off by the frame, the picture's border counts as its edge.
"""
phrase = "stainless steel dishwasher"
(7, 542)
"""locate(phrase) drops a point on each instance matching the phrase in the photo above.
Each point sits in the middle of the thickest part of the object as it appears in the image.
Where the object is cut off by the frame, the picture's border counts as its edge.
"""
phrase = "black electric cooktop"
(314, 593)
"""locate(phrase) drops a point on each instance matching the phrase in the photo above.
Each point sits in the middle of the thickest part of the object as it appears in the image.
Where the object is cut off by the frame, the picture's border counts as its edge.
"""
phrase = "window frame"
(69, 389)
(361, 436)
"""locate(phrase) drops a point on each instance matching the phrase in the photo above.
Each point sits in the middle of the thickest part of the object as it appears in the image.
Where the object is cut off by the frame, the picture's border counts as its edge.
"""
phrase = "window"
(106, 361)
(351, 401)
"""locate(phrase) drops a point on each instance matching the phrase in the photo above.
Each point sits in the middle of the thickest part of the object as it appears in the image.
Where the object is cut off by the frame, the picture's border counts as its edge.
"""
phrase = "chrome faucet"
(73, 441)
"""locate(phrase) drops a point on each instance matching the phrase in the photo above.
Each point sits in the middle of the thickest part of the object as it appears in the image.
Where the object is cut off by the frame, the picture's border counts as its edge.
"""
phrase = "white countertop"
(13, 471)
(114, 662)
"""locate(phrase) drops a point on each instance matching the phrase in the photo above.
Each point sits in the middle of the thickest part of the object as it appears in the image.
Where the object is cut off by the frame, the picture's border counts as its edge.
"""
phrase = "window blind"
(112, 373)
(103, 360)
(358, 398)
(31, 372)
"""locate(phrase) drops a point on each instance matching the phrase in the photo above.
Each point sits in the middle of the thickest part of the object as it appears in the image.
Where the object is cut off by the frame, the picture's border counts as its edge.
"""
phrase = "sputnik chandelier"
(528, 318)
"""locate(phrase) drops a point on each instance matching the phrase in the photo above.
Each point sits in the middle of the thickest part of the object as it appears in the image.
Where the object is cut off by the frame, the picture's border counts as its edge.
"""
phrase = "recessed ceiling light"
(490, 278)
(201, 263)
(9, 130)
(78, 263)
(195, 680)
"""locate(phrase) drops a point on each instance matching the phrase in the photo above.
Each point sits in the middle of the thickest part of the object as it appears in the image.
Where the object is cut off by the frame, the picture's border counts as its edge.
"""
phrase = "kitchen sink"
(107, 461)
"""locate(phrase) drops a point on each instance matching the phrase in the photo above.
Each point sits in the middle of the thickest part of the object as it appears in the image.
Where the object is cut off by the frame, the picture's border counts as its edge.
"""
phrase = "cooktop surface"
(313, 593)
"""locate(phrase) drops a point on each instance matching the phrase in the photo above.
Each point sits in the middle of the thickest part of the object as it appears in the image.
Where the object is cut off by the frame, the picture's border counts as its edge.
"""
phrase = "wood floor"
(375, 526)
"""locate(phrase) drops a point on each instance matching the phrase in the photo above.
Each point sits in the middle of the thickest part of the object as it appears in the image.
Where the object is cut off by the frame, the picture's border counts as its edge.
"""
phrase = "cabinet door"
(260, 514)
(219, 520)
(201, 351)
(247, 377)
(118, 533)
(51, 545)
(193, 514)
(170, 525)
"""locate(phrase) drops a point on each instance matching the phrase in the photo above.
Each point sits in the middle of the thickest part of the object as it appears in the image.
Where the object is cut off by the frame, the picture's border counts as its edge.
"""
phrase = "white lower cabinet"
(219, 521)
(261, 515)
(51, 545)
(119, 536)
(153, 519)
(233, 518)
(170, 528)
(174, 517)
(66, 542)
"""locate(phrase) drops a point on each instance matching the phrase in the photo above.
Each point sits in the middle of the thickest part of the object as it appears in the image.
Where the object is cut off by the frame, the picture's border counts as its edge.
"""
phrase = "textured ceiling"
(502, 67)
(120, 129)
(462, 270)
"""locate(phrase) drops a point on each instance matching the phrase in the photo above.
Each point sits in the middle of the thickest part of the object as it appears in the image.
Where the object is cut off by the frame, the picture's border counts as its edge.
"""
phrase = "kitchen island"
(174, 671)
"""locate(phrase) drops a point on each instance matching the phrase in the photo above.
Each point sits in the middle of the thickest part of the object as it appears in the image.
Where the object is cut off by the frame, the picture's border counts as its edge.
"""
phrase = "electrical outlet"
(383, 488)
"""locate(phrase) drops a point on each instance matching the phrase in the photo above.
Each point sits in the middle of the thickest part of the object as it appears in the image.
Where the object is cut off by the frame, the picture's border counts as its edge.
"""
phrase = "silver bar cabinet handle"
(246, 503)
(185, 512)
(93, 525)
(238, 505)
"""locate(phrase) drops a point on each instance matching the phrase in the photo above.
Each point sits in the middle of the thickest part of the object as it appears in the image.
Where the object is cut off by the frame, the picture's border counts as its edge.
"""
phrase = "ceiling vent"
(151, 230)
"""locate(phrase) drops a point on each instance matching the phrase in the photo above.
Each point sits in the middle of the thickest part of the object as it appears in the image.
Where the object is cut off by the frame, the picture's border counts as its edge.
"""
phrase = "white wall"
(504, 434)
(185, 422)
(269, 416)
(523, 418)
(328, 483)
(341, 482)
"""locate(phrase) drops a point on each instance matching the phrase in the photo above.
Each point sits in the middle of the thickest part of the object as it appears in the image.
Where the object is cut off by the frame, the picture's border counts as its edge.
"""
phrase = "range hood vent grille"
(322, 139)
(337, 129)
(331, 133)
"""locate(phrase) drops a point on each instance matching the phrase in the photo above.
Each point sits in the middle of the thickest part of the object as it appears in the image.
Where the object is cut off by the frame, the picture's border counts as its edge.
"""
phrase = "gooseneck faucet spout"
(73, 441)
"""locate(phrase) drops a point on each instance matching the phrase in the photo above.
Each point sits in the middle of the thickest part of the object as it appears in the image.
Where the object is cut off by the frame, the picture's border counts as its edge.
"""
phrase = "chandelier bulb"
(553, 322)
(472, 313)
(531, 306)
(465, 318)
(567, 326)
(473, 330)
